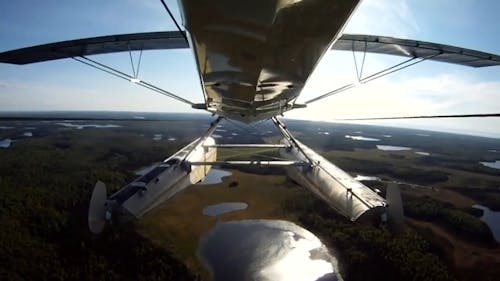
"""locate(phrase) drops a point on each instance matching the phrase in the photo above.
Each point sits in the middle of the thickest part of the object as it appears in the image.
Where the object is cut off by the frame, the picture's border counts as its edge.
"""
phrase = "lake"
(392, 148)
(265, 250)
(222, 208)
(492, 219)
(361, 138)
(494, 165)
(214, 176)
(5, 143)
(82, 126)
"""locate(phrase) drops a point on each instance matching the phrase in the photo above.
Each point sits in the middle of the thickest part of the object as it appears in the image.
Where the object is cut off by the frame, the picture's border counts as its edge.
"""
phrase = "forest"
(46, 181)
(45, 187)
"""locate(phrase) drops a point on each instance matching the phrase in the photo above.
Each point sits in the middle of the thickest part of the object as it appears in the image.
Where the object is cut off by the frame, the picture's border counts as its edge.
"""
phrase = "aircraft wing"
(413, 48)
(96, 45)
(175, 40)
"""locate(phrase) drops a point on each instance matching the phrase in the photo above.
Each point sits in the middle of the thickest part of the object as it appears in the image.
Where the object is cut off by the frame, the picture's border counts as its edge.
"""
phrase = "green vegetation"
(367, 252)
(46, 181)
(488, 196)
(45, 186)
(460, 222)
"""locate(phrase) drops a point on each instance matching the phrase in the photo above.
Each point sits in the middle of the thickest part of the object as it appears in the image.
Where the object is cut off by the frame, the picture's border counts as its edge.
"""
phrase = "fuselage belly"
(254, 57)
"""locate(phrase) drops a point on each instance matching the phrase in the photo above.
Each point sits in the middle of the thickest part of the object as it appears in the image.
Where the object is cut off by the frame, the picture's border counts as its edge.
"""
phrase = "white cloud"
(437, 95)
(24, 95)
(384, 17)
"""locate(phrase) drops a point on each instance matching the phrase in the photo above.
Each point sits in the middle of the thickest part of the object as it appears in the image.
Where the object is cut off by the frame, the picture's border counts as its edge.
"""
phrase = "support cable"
(286, 134)
(125, 76)
(393, 69)
(355, 62)
(397, 67)
(331, 93)
(425, 117)
(101, 69)
(175, 22)
(363, 61)
(208, 133)
(131, 62)
(134, 71)
(139, 64)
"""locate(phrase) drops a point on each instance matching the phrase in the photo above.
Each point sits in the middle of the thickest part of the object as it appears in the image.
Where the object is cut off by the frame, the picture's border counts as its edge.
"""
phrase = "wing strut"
(425, 117)
(175, 22)
(125, 76)
(395, 68)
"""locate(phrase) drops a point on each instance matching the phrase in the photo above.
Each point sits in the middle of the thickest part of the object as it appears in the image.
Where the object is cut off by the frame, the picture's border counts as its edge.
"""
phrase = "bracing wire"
(175, 22)
(397, 67)
(477, 115)
(125, 76)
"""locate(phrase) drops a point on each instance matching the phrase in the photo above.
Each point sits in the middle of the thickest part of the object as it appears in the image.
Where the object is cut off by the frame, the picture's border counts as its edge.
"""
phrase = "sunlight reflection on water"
(494, 165)
(266, 250)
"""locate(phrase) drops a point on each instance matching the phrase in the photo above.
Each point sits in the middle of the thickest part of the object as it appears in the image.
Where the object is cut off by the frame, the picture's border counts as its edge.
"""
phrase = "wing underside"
(417, 49)
(175, 40)
(95, 46)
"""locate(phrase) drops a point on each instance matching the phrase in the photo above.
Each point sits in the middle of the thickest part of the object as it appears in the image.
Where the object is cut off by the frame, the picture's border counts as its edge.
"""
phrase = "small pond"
(266, 250)
(214, 176)
(222, 208)
(361, 138)
(392, 148)
(5, 143)
(492, 219)
(494, 165)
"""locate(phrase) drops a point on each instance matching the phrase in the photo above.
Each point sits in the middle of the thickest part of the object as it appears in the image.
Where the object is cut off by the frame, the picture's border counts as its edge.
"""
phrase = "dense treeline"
(45, 185)
(460, 222)
(488, 196)
(368, 252)
(408, 174)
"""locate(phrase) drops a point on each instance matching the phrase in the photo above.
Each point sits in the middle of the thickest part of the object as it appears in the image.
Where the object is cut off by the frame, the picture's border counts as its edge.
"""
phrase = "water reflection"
(266, 250)
(361, 138)
(5, 143)
(222, 208)
(82, 126)
(215, 176)
(492, 219)
(494, 165)
(392, 148)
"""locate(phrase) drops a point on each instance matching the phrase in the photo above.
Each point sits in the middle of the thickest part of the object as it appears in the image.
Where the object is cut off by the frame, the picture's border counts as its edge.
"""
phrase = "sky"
(428, 88)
